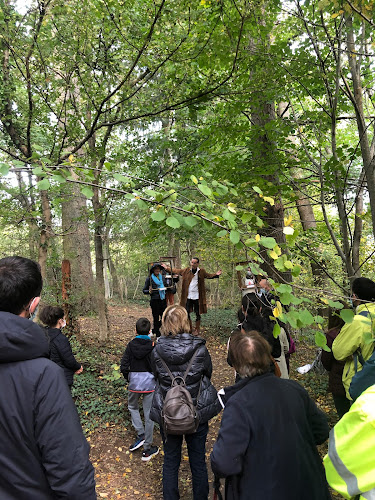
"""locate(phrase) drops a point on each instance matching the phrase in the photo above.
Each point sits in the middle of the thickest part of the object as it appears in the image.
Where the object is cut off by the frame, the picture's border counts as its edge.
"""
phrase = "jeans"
(133, 407)
(196, 445)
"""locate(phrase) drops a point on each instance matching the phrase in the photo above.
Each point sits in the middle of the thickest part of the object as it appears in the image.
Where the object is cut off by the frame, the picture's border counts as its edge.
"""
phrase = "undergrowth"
(100, 402)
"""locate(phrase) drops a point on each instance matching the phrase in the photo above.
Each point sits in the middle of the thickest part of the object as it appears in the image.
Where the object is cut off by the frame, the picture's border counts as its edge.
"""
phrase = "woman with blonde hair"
(176, 348)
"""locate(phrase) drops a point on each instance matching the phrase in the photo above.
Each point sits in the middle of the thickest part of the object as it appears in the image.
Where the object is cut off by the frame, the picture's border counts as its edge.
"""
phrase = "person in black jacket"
(176, 348)
(43, 452)
(136, 368)
(60, 349)
(266, 447)
(156, 286)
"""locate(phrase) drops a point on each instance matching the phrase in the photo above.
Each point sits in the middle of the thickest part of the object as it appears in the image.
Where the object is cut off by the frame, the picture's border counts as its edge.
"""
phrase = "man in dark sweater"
(136, 368)
(43, 452)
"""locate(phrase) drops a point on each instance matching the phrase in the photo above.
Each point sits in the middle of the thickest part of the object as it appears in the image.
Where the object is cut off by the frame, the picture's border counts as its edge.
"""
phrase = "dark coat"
(177, 352)
(335, 368)
(154, 294)
(61, 353)
(266, 447)
(43, 452)
(137, 356)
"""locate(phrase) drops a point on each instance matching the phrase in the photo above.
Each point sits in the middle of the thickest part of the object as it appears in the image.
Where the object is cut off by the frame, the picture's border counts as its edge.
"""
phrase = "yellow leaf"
(277, 310)
(335, 15)
(273, 255)
(71, 159)
(287, 221)
(257, 237)
(277, 249)
(128, 470)
(270, 200)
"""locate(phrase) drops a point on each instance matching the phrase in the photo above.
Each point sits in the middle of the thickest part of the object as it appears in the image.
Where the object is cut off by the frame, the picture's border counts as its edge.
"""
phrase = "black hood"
(178, 349)
(21, 339)
(140, 348)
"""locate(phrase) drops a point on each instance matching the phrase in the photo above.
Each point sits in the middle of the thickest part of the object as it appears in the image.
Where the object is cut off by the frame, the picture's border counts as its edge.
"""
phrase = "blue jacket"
(43, 452)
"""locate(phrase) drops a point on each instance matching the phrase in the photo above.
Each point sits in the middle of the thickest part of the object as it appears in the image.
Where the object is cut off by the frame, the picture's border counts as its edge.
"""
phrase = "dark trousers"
(196, 445)
(342, 404)
(158, 306)
(193, 306)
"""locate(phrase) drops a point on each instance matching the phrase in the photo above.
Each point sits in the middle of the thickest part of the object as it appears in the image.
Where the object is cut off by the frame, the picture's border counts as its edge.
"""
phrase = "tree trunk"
(76, 247)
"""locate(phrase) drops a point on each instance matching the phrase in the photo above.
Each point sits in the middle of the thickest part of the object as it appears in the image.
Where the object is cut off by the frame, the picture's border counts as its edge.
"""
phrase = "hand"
(80, 370)
(218, 272)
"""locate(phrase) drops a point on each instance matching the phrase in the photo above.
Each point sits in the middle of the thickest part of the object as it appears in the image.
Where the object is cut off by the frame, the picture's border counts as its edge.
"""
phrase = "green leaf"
(286, 298)
(233, 191)
(222, 233)
(296, 270)
(239, 267)
(121, 178)
(43, 185)
(173, 222)
(347, 315)
(321, 341)
(246, 217)
(234, 237)
(251, 243)
(268, 242)
(158, 216)
(257, 190)
(88, 192)
(203, 188)
(194, 179)
(38, 171)
(288, 264)
(228, 215)
(59, 178)
(334, 305)
(283, 288)
(276, 330)
(4, 169)
(306, 317)
(142, 205)
(190, 221)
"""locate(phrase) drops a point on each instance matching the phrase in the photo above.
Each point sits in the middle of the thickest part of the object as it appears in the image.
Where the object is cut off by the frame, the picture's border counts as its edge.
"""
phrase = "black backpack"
(179, 414)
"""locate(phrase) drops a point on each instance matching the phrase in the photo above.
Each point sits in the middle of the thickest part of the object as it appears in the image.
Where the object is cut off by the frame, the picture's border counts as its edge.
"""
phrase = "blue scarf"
(159, 283)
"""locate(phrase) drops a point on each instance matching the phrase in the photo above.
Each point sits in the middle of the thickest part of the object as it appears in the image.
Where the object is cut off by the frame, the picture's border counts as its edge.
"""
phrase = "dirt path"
(121, 474)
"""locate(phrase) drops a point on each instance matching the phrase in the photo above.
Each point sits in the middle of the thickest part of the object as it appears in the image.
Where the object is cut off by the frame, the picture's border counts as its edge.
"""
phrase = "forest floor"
(121, 474)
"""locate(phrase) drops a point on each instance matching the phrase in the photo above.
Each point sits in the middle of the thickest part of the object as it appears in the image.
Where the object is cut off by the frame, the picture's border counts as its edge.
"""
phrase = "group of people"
(161, 288)
(270, 428)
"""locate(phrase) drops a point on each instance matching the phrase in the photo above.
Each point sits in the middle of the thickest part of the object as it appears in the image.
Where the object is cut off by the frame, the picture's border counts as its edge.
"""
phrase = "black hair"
(20, 281)
(195, 258)
(257, 318)
(50, 315)
(364, 288)
(143, 326)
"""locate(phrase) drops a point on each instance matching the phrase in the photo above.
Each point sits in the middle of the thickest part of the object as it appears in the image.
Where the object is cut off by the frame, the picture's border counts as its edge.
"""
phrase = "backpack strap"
(187, 369)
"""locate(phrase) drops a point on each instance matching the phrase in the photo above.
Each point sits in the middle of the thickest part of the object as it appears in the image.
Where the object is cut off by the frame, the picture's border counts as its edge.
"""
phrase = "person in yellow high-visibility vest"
(350, 462)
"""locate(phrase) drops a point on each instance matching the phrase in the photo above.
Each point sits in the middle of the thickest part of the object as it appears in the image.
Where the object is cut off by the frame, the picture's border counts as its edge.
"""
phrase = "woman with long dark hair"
(60, 350)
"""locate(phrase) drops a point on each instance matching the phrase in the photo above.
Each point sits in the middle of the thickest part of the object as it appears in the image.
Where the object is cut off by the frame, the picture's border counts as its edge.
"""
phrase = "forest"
(240, 131)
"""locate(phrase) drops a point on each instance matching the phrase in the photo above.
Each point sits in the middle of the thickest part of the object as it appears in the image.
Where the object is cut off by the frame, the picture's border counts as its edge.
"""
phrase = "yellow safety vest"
(350, 462)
